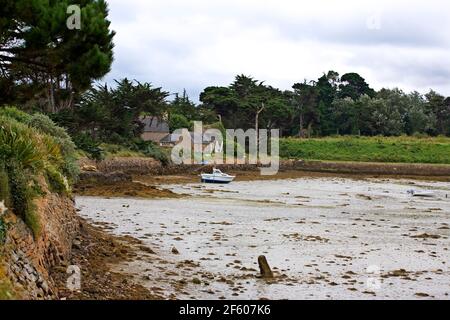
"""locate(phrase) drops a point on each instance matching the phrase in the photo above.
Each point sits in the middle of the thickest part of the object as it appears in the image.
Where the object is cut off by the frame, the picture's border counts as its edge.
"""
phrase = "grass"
(32, 147)
(2, 231)
(369, 149)
(114, 150)
(6, 290)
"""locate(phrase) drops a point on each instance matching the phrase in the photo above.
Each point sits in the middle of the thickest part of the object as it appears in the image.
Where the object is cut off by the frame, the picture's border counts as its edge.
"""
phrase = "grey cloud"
(192, 44)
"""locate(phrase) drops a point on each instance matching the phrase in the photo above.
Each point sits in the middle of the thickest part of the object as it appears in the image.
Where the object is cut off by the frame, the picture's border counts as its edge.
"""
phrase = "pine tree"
(41, 58)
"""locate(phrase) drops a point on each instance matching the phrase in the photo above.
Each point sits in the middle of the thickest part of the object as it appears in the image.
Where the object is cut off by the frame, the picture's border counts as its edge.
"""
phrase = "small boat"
(217, 177)
(421, 193)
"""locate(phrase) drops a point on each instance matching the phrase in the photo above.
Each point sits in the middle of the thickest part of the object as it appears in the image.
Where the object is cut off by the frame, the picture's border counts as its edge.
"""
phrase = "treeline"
(330, 105)
(45, 67)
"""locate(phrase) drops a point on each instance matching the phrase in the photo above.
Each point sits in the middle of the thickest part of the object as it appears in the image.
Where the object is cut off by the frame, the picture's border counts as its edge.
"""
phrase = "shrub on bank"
(32, 147)
(150, 149)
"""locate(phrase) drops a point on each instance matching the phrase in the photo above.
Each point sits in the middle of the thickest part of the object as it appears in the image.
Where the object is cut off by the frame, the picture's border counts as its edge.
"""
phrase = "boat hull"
(210, 178)
(216, 181)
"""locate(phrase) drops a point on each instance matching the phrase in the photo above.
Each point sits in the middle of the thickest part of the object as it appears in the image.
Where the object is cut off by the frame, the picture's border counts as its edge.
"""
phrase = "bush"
(2, 231)
(85, 142)
(19, 142)
(13, 113)
(32, 147)
(22, 197)
(150, 149)
(62, 139)
(178, 121)
(56, 181)
(4, 186)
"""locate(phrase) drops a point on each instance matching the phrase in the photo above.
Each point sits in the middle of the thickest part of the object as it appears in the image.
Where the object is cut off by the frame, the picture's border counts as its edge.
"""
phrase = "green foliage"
(4, 186)
(22, 197)
(354, 86)
(115, 150)
(183, 106)
(14, 113)
(44, 51)
(85, 142)
(7, 291)
(2, 231)
(18, 142)
(62, 140)
(178, 121)
(365, 149)
(28, 151)
(331, 105)
(112, 114)
(57, 182)
(151, 149)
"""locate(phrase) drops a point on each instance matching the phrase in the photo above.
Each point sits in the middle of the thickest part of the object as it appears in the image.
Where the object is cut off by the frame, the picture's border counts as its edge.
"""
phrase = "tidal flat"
(325, 238)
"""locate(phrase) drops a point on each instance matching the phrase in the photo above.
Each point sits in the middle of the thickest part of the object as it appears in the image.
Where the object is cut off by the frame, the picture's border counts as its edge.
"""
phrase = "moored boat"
(421, 193)
(217, 177)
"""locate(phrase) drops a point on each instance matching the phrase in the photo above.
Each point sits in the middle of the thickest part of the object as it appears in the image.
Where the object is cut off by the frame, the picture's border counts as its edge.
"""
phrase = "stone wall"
(27, 260)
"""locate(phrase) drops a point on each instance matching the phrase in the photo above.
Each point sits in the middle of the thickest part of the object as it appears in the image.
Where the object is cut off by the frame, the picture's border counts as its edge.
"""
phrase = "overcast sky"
(192, 44)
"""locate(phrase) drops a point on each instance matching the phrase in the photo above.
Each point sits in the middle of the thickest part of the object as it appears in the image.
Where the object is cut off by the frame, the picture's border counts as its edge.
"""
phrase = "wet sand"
(324, 237)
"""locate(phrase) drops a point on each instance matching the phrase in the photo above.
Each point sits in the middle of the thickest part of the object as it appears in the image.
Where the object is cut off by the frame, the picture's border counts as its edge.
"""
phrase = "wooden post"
(264, 267)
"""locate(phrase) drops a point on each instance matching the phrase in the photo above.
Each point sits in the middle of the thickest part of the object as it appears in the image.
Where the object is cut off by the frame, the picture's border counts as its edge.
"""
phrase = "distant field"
(369, 149)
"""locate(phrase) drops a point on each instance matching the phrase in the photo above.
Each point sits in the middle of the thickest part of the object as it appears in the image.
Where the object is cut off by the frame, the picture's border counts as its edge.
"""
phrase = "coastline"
(107, 252)
(319, 217)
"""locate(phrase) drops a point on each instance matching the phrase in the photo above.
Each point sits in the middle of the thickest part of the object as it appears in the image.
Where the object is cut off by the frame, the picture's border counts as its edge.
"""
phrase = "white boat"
(217, 177)
(421, 193)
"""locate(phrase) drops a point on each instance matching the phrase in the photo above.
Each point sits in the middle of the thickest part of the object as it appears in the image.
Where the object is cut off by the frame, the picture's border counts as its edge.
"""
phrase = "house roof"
(155, 124)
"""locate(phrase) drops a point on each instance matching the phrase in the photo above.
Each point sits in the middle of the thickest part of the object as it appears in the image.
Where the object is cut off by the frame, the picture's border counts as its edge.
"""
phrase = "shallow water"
(324, 238)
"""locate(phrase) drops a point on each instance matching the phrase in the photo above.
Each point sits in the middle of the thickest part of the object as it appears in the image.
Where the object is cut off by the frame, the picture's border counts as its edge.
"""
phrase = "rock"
(264, 267)
(44, 287)
(147, 249)
(89, 168)
(196, 281)
(175, 251)
(105, 178)
(76, 244)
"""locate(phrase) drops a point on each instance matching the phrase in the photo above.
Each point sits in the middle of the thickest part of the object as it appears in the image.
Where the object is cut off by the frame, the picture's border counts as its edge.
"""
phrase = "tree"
(113, 114)
(417, 119)
(440, 107)
(178, 121)
(182, 105)
(306, 98)
(343, 115)
(354, 86)
(327, 87)
(42, 60)
(222, 102)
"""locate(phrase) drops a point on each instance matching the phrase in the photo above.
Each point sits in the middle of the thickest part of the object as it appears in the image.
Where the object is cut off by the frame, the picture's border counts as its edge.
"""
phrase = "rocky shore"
(95, 251)
(36, 268)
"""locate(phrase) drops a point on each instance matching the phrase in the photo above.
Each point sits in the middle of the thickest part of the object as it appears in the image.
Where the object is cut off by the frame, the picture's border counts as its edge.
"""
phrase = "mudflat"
(324, 237)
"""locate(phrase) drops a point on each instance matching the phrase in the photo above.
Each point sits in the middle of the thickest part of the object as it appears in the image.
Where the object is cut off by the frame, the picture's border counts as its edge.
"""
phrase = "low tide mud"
(96, 253)
(324, 237)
